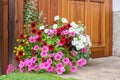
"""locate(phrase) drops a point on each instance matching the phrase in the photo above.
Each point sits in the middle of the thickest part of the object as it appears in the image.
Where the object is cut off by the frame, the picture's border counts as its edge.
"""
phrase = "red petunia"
(17, 58)
(68, 25)
(27, 37)
(62, 41)
(21, 36)
(21, 43)
(63, 37)
(43, 59)
(44, 44)
(33, 24)
(20, 52)
(51, 47)
(34, 30)
(39, 39)
(68, 45)
(39, 32)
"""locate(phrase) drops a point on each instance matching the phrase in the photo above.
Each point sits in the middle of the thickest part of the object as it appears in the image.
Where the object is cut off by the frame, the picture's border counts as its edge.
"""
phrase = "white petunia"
(64, 20)
(76, 31)
(42, 27)
(71, 29)
(56, 18)
(80, 46)
(55, 26)
(88, 40)
(46, 30)
(73, 24)
(82, 38)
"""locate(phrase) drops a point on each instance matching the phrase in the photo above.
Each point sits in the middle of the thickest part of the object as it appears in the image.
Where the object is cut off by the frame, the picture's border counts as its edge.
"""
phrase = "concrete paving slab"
(106, 68)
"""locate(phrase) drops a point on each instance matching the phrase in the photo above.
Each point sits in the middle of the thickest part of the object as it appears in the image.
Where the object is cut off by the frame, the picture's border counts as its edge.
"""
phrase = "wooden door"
(97, 16)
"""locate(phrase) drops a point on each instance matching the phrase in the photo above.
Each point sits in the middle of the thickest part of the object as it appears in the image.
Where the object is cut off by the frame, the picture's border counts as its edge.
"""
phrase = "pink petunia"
(8, 71)
(51, 55)
(73, 69)
(74, 53)
(46, 65)
(57, 57)
(84, 50)
(81, 62)
(30, 68)
(69, 63)
(10, 66)
(33, 59)
(36, 68)
(52, 69)
(60, 53)
(36, 48)
(43, 53)
(54, 31)
(45, 49)
(31, 40)
(29, 63)
(49, 61)
(59, 71)
(21, 69)
(72, 34)
(59, 43)
(65, 60)
(21, 64)
(59, 65)
(35, 37)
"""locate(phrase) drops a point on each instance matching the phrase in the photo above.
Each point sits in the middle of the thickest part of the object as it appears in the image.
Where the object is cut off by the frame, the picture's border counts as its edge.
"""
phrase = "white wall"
(116, 5)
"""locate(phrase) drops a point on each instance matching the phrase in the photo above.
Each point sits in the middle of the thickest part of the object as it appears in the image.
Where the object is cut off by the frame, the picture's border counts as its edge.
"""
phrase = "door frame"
(7, 22)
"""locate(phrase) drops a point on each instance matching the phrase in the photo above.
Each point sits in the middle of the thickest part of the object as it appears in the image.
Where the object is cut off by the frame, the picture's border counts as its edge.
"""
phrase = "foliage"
(31, 76)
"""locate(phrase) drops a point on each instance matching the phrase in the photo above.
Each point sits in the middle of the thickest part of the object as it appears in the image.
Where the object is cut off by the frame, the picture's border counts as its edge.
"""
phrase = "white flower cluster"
(77, 29)
(81, 41)
(64, 20)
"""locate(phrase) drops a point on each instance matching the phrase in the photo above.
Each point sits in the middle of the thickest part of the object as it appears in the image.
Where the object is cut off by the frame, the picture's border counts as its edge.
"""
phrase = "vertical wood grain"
(5, 36)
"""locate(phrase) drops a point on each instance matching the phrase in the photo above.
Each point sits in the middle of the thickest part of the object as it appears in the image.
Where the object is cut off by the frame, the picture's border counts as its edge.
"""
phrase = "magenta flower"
(29, 64)
(49, 61)
(45, 49)
(10, 66)
(65, 60)
(41, 66)
(59, 43)
(43, 53)
(73, 69)
(21, 69)
(30, 68)
(49, 69)
(70, 63)
(57, 57)
(81, 62)
(36, 48)
(36, 68)
(59, 71)
(21, 65)
(59, 65)
(72, 34)
(33, 59)
(60, 53)
(46, 65)
(8, 71)
(51, 55)
(52, 69)
(36, 36)
(54, 31)
(74, 53)
(31, 40)
(84, 50)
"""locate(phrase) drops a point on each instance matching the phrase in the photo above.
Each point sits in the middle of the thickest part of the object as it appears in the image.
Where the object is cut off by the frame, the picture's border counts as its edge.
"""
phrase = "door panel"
(92, 13)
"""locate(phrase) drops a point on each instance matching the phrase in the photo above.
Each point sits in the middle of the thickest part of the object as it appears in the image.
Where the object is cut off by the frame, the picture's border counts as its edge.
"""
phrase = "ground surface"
(107, 68)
